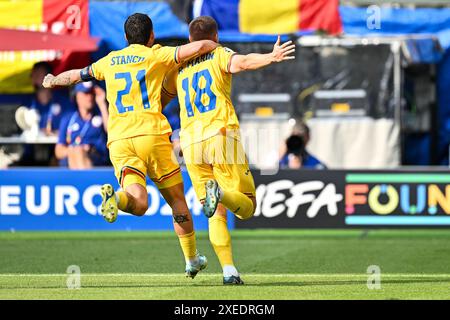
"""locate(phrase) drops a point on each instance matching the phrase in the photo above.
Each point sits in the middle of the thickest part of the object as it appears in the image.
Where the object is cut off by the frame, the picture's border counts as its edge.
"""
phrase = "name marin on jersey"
(194, 62)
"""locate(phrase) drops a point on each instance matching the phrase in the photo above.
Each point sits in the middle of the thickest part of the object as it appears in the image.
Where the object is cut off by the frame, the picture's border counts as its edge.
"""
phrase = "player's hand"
(48, 81)
(283, 52)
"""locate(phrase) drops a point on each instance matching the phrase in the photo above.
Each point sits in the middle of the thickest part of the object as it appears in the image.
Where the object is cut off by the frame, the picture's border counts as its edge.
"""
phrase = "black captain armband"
(86, 75)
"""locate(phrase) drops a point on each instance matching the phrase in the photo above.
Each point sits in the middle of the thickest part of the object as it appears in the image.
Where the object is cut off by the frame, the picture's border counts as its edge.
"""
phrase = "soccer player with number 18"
(210, 138)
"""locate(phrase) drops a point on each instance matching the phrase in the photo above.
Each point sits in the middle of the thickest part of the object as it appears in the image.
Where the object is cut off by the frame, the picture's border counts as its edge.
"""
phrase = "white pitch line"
(306, 275)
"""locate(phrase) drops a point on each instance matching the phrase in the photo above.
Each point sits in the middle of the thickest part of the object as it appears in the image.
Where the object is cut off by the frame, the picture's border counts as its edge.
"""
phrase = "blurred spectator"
(82, 134)
(51, 105)
(295, 155)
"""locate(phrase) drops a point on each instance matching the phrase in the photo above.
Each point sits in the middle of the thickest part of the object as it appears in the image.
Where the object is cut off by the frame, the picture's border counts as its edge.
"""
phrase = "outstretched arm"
(64, 79)
(68, 78)
(194, 49)
(255, 61)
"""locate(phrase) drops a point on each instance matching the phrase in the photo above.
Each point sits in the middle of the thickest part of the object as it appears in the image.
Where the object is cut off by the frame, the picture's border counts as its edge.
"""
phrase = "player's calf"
(133, 200)
(182, 218)
(135, 203)
(184, 228)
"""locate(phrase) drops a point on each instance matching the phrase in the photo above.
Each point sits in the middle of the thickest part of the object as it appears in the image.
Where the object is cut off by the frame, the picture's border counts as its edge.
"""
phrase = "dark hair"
(295, 145)
(138, 28)
(203, 28)
(43, 65)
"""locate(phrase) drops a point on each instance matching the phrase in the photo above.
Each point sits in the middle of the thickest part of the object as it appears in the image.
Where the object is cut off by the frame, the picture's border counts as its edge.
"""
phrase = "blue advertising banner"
(60, 199)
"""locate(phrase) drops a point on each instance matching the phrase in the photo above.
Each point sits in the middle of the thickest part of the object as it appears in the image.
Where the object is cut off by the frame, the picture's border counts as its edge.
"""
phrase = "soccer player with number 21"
(138, 133)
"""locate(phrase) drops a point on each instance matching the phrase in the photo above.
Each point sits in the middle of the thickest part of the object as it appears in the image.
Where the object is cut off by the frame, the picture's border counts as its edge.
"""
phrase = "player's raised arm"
(194, 49)
(255, 61)
(68, 78)
(64, 79)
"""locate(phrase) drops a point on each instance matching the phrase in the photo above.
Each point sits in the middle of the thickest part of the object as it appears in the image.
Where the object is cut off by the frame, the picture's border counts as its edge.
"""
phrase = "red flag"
(320, 15)
(68, 18)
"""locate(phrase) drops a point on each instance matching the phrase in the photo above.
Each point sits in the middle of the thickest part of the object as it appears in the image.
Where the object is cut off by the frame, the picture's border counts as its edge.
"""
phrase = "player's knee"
(141, 206)
(140, 209)
(138, 196)
(249, 212)
(179, 206)
(175, 198)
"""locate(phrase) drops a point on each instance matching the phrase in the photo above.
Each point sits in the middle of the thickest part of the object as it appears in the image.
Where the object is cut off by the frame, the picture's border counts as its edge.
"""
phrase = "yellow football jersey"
(203, 86)
(134, 78)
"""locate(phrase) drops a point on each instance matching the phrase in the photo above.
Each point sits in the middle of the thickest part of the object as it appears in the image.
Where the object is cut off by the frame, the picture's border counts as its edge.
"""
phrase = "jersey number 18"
(199, 93)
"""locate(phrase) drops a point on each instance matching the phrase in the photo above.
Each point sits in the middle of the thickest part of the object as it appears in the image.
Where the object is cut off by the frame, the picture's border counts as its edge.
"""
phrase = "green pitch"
(323, 264)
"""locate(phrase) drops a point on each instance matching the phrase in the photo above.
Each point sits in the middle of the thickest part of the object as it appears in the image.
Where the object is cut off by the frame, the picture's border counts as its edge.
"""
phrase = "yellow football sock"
(122, 200)
(188, 245)
(238, 203)
(220, 239)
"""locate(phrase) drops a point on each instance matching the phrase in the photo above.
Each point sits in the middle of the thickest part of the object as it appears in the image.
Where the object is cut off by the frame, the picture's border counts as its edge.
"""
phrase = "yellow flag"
(15, 66)
(269, 16)
(21, 13)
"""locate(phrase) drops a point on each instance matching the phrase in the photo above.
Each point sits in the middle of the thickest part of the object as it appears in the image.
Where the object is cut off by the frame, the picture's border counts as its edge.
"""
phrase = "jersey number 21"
(140, 77)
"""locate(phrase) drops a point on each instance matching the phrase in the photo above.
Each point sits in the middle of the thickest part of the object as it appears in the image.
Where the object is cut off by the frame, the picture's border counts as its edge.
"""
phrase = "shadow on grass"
(112, 286)
(346, 282)
(248, 284)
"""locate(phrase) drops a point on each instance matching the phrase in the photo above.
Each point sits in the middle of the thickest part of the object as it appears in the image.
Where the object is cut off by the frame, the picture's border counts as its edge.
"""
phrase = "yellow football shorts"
(135, 158)
(220, 158)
